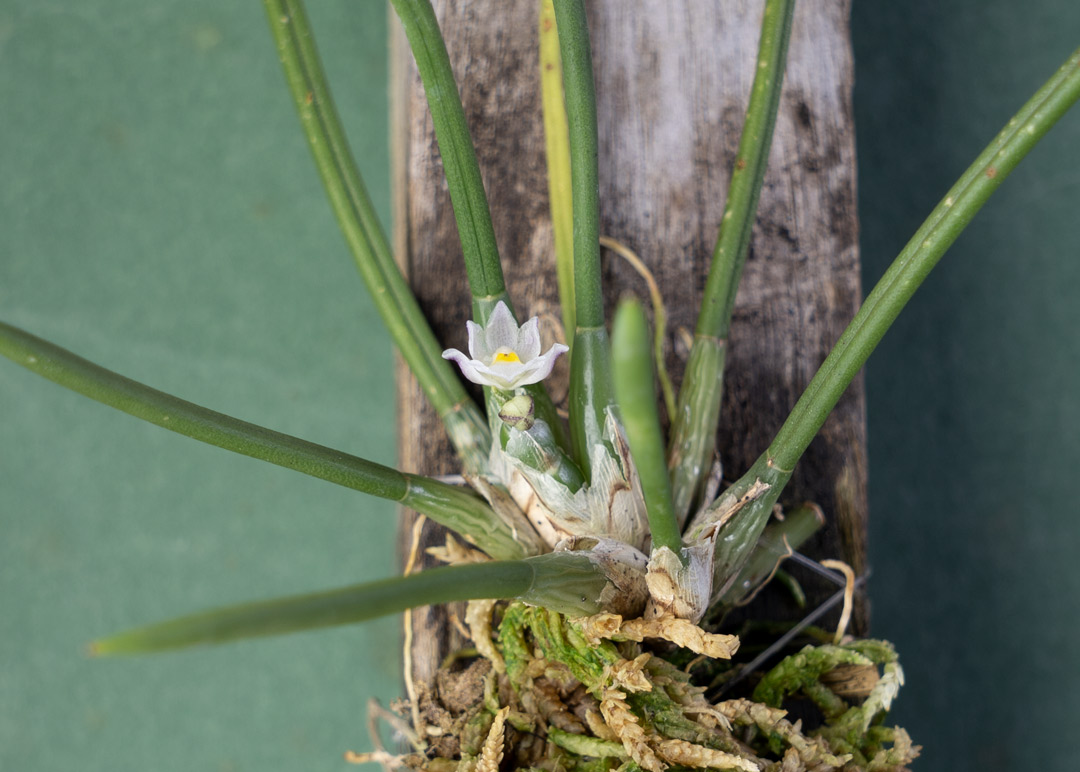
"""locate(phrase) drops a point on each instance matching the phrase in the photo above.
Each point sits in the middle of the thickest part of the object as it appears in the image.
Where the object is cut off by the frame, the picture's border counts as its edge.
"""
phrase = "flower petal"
(501, 331)
(477, 344)
(507, 374)
(503, 376)
(540, 368)
(469, 367)
(528, 340)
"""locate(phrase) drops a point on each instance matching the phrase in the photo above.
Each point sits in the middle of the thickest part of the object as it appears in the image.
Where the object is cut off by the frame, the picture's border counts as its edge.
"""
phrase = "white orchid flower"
(503, 355)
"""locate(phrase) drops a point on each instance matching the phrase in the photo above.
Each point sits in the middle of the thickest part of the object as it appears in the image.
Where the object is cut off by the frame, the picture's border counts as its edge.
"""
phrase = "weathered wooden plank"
(672, 83)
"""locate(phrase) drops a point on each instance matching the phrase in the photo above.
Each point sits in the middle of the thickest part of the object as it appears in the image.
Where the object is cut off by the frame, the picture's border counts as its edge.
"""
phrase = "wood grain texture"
(672, 80)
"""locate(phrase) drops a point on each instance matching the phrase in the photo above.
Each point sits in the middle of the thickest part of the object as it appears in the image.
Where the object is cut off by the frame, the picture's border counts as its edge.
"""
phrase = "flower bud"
(518, 412)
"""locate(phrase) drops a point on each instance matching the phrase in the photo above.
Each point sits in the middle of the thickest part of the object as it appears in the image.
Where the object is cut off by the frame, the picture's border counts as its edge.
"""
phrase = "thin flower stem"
(547, 577)
(591, 391)
(360, 225)
(557, 153)
(458, 156)
(632, 367)
(457, 508)
(882, 306)
(693, 434)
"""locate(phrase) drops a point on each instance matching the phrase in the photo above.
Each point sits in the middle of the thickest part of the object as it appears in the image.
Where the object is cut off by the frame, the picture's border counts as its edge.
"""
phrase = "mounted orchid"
(589, 540)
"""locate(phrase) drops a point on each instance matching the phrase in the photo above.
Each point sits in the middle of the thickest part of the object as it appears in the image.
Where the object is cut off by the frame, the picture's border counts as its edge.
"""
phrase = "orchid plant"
(600, 534)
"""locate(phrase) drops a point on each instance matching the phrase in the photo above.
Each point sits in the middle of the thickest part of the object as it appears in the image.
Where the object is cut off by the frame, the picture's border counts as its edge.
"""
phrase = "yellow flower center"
(505, 356)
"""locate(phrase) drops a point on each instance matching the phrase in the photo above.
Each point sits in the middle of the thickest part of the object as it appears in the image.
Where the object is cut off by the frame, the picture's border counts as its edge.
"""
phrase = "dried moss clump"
(599, 694)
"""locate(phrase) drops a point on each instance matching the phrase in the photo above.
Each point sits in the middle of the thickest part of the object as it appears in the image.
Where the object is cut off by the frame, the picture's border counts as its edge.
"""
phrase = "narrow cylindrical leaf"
(776, 542)
(693, 432)
(591, 392)
(919, 257)
(360, 225)
(632, 368)
(693, 426)
(457, 508)
(880, 309)
(738, 535)
(465, 513)
(467, 195)
(580, 95)
(557, 156)
(566, 581)
(458, 155)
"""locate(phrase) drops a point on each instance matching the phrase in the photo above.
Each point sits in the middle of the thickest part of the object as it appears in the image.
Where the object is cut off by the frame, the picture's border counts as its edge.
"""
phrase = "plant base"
(541, 691)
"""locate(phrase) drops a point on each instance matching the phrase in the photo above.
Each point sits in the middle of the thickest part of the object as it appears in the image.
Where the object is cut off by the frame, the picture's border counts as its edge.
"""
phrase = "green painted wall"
(159, 214)
(974, 397)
